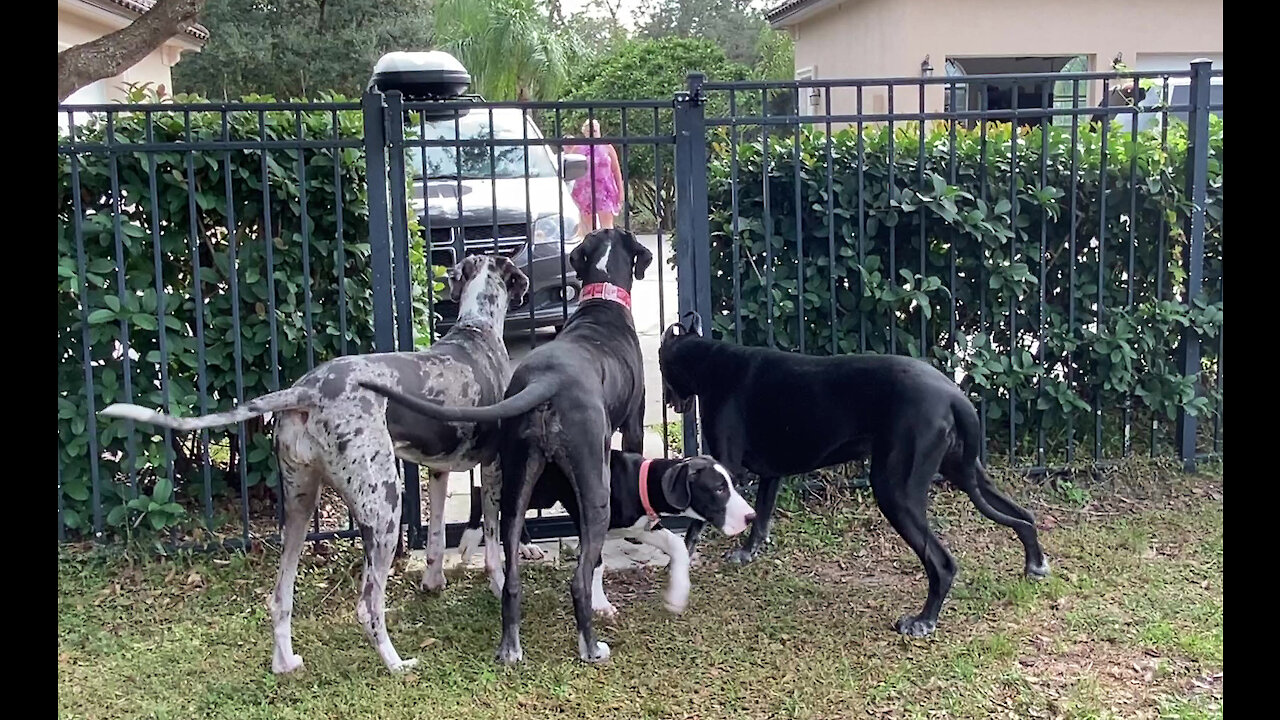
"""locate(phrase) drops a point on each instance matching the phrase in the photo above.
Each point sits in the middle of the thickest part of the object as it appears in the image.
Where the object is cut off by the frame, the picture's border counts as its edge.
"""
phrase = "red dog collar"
(606, 291)
(644, 494)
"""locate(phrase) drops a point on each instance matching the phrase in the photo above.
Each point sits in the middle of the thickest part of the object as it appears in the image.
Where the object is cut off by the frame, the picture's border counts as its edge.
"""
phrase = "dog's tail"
(527, 399)
(969, 431)
(287, 399)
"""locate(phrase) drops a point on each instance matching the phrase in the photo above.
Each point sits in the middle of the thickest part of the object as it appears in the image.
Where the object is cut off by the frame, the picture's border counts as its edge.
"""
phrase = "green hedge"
(994, 240)
(114, 310)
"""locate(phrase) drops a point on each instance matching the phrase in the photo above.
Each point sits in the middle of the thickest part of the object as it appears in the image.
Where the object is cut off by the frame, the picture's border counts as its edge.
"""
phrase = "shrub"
(998, 224)
(143, 291)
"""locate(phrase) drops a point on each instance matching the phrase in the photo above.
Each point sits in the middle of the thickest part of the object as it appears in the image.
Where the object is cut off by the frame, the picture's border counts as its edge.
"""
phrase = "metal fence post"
(411, 512)
(375, 153)
(1193, 251)
(693, 241)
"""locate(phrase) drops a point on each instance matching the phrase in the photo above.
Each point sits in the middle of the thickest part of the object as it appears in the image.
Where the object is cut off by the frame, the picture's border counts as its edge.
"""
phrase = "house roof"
(791, 11)
(138, 7)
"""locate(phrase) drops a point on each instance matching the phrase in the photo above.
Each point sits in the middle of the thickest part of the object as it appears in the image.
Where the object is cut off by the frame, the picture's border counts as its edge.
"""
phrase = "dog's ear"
(578, 259)
(515, 281)
(456, 281)
(675, 486)
(641, 256)
(694, 326)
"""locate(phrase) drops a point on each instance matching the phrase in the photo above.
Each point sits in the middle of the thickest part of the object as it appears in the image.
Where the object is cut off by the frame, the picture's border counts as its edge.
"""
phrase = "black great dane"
(775, 413)
(564, 402)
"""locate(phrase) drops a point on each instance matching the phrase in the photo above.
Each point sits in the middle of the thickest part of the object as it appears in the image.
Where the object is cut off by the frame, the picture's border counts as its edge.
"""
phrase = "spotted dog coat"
(331, 431)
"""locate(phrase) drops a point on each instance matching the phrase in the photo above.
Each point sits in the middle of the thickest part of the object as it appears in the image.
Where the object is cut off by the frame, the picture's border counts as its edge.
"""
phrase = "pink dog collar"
(606, 291)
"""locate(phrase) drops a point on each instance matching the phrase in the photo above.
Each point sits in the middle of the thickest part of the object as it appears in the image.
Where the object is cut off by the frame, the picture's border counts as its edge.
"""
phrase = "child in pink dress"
(598, 193)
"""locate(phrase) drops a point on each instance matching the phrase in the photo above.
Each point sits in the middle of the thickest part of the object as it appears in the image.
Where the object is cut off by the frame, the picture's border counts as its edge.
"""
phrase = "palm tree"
(509, 47)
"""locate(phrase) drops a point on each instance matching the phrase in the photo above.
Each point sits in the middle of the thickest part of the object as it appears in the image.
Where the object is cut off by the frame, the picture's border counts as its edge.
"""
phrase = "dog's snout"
(749, 517)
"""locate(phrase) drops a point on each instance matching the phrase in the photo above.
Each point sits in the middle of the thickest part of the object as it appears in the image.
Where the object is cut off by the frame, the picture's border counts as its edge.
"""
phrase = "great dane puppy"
(330, 430)
(564, 402)
(775, 413)
(642, 492)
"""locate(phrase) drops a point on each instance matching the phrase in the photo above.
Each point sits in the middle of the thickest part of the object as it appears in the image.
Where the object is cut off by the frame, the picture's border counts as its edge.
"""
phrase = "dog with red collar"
(642, 491)
(564, 402)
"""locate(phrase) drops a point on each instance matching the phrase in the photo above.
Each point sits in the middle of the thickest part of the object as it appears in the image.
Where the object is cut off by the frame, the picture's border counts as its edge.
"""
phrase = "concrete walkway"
(653, 306)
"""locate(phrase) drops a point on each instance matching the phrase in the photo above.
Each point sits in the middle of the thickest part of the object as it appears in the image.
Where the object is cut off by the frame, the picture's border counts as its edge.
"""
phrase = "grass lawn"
(1130, 625)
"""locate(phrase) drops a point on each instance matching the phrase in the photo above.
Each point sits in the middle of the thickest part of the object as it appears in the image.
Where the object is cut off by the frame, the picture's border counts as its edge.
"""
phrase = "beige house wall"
(883, 38)
(80, 22)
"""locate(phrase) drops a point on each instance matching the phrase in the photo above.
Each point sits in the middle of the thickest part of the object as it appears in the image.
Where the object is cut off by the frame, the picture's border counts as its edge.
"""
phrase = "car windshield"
(476, 161)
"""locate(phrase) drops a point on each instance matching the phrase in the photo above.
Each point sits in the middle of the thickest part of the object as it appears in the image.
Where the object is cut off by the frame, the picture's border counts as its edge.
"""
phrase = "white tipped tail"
(287, 399)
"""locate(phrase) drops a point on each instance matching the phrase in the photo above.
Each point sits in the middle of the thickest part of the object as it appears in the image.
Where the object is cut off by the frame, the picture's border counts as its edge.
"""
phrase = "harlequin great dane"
(331, 431)
(564, 402)
(775, 413)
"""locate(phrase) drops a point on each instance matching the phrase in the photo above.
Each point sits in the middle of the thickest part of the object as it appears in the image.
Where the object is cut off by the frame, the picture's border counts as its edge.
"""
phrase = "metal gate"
(487, 177)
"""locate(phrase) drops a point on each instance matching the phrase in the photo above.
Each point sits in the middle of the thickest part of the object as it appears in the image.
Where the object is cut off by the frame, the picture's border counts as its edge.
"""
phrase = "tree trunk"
(116, 52)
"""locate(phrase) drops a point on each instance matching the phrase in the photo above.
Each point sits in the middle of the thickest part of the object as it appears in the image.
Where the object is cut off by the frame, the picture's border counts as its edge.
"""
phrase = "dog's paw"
(531, 552)
(468, 544)
(600, 653)
(914, 626)
(509, 653)
(675, 604)
(606, 611)
(1038, 572)
(282, 665)
(741, 556)
(403, 666)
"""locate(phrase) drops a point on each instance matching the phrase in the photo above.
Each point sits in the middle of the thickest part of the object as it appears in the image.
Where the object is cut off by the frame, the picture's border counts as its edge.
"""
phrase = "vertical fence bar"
(892, 277)
(1101, 311)
(1071, 265)
(1041, 259)
(924, 241)
(341, 249)
(1193, 252)
(233, 277)
(693, 244)
(373, 111)
(126, 349)
(1133, 245)
(862, 226)
(982, 259)
(268, 243)
(86, 339)
(952, 171)
(1162, 240)
(766, 217)
(1013, 257)
(733, 217)
(202, 376)
(659, 213)
(564, 271)
(162, 335)
(831, 220)
(411, 512)
(799, 201)
(305, 221)
(528, 219)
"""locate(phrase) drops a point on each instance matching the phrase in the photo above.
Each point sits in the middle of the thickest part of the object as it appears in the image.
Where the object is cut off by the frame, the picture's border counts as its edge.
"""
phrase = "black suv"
(513, 200)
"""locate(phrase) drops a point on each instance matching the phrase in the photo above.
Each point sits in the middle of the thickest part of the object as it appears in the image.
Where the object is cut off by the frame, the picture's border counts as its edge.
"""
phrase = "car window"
(478, 161)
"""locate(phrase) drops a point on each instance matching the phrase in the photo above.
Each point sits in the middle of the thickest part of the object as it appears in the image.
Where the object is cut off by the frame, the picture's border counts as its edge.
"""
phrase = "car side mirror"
(572, 166)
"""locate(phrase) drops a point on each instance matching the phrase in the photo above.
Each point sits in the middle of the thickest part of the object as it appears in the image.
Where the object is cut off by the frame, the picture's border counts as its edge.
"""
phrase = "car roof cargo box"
(433, 75)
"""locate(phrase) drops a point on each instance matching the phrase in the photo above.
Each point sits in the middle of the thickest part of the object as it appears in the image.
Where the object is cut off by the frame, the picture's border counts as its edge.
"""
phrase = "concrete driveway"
(653, 306)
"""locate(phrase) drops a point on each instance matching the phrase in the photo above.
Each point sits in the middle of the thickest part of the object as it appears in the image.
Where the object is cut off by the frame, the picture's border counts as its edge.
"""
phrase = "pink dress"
(607, 195)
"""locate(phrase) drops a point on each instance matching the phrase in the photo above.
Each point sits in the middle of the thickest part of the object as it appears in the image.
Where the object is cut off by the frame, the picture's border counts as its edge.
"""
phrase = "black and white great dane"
(330, 431)
(775, 413)
(641, 492)
(564, 402)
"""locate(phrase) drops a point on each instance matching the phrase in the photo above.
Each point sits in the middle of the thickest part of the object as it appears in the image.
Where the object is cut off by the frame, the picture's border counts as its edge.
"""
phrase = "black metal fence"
(1060, 254)
(1069, 272)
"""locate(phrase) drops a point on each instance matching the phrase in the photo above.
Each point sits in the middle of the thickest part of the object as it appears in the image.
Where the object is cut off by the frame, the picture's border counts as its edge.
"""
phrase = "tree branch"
(114, 53)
